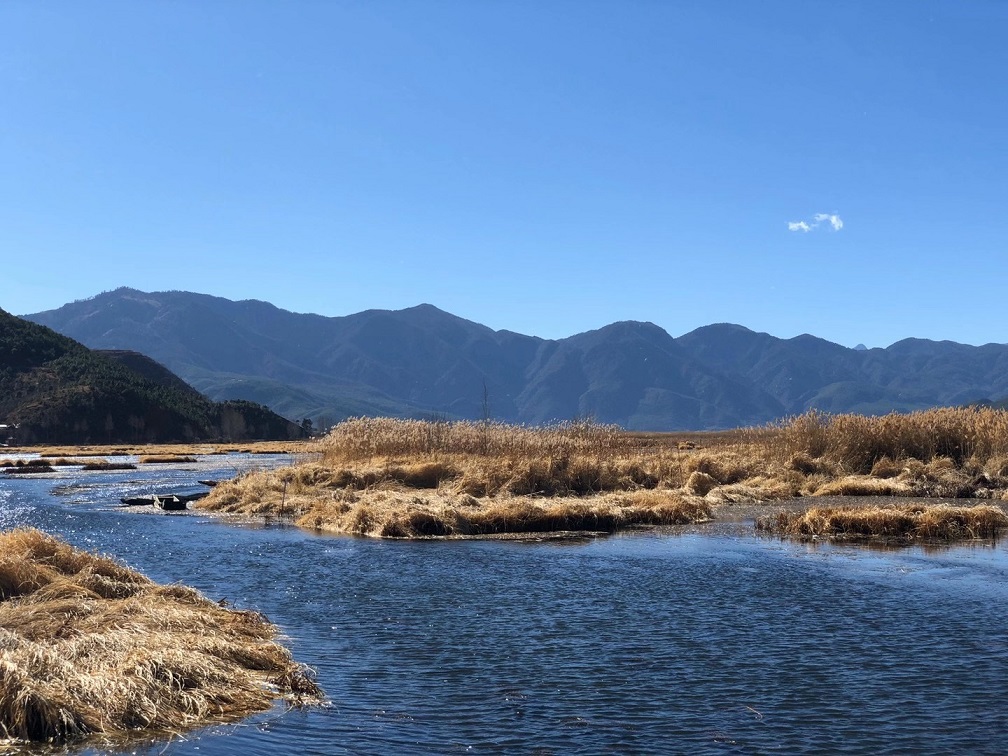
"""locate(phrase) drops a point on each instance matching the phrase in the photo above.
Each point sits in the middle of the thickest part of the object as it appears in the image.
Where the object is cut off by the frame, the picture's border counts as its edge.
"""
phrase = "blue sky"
(545, 167)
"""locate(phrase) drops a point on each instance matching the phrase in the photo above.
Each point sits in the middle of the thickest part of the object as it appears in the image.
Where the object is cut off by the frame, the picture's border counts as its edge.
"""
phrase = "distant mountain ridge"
(422, 361)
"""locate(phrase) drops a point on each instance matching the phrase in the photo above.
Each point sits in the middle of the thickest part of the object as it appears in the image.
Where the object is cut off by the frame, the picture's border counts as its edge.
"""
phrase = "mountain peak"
(422, 360)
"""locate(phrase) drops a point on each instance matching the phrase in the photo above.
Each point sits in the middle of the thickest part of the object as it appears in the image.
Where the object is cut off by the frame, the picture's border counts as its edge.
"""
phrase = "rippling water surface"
(637, 644)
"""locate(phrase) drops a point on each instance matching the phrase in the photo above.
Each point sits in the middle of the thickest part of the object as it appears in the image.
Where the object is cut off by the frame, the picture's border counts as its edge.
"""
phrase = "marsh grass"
(409, 479)
(190, 449)
(91, 648)
(906, 522)
(28, 467)
(515, 478)
(150, 459)
(857, 443)
(104, 464)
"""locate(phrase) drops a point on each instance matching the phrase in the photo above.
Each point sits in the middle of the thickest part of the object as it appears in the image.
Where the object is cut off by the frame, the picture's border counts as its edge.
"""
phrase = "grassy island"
(92, 649)
(414, 479)
(907, 523)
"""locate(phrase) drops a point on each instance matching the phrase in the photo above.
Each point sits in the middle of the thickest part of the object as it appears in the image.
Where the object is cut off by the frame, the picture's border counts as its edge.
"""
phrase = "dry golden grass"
(104, 464)
(858, 442)
(406, 478)
(392, 514)
(27, 467)
(93, 450)
(906, 522)
(90, 648)
(150, 459)
(365, 470)
(862, 485)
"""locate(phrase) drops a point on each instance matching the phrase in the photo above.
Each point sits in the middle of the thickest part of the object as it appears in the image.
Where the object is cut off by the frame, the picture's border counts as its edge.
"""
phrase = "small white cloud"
(804, 226)
(833, 218)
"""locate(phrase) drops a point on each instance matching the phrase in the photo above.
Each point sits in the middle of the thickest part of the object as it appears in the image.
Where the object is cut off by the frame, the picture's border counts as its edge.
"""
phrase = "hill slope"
(421, 360)
(58, 391)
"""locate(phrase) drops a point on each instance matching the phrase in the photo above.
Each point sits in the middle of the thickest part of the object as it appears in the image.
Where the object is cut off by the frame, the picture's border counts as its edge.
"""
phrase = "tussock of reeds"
(104, 464)
(28, 467)
(410, 479)
(90, 648)
(188, 449)
(391, 514)
(149, 459)
(364, 464)
(906, 522)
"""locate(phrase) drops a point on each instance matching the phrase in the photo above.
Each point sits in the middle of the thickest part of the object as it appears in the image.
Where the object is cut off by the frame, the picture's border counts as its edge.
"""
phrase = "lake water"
(686, 643)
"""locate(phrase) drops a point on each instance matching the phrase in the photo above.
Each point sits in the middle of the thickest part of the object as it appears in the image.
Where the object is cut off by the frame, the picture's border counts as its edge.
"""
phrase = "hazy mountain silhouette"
(422, 361)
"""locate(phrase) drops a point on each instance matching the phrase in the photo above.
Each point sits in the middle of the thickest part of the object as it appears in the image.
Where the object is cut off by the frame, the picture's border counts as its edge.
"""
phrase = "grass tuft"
(149, 459)
(907, 522)
(90, 648)
(365, 469)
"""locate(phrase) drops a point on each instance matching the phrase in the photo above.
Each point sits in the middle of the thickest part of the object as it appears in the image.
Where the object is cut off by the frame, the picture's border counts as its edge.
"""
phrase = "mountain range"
(422, 361)
(55, 390)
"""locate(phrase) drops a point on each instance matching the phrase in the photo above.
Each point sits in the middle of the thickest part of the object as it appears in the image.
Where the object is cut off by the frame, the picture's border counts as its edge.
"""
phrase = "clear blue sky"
(545, 167)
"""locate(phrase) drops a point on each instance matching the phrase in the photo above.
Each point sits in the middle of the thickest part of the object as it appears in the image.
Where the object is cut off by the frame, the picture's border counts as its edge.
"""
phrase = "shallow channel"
(644, 643)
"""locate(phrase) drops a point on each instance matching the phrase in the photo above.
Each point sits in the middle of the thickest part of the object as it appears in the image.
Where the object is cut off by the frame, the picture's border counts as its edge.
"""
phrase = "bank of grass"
(92, 649)
(166, 459)
(191, 449)
(411, 478)
(107, 465)
(27, 466)
(897, 522)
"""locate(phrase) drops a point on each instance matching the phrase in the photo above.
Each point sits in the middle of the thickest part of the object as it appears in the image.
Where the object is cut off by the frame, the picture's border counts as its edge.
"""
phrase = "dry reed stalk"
(862, 485)
(395, 514)
(104, 464)
(947, 453)
(859, 442)
(90, 648)
(906, 522)
(97, 450)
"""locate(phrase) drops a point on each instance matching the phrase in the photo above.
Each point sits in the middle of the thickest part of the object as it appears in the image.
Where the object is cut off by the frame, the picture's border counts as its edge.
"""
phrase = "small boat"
(136, 501)
(169, 502)
(166, 501)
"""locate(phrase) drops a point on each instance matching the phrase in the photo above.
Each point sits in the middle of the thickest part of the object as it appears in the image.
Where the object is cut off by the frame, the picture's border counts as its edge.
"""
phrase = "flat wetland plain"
(940, 474)
(927, 478)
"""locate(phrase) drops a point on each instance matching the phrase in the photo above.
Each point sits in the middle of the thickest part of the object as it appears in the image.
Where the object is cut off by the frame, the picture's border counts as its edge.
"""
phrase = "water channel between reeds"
(678, 642)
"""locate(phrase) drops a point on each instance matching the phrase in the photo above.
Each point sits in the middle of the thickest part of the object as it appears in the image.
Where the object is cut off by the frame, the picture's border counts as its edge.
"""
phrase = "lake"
(644, 643)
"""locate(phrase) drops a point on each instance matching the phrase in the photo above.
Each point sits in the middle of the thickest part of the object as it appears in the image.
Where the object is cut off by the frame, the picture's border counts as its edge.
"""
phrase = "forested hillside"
(55, 390)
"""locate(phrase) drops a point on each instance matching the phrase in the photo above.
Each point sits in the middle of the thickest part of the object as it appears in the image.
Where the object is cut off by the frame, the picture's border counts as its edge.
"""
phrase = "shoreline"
(728, 519)
(94, 651)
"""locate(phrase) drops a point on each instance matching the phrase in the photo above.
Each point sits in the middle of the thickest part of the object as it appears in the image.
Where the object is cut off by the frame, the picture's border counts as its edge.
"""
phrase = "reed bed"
(907, 522)
(971, 437)
(190, 449)
(369, 438)
(28, 467)
(170, 459)
(409, 478)
(92, 649)
(393, 512)
(104, 464)
(949, 453)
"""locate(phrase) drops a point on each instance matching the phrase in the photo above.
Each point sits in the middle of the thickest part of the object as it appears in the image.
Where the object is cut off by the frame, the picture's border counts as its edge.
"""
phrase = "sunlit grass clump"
(905, 522)
(408, 479)
(27, 466)
(171, 459)
(412, 478)
(90, 648)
